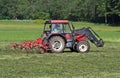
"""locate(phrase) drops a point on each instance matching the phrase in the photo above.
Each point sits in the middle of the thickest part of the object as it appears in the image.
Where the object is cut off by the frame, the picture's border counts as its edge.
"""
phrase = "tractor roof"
(57, 22)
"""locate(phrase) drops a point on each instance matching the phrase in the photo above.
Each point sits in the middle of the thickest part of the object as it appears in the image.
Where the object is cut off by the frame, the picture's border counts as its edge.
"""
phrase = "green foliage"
(75, 10)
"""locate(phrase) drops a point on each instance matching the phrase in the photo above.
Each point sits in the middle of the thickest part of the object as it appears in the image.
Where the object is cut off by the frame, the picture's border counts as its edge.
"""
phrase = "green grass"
(19, 30)
(29, 30)
(98, 63)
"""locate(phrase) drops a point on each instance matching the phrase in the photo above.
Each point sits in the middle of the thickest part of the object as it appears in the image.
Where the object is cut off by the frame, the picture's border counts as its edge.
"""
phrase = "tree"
(113, 11)
(3, 10)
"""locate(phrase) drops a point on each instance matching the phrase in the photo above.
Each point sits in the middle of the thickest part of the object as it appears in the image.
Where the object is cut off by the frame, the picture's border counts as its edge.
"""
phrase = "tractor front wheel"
(57, 44)
(83, 46)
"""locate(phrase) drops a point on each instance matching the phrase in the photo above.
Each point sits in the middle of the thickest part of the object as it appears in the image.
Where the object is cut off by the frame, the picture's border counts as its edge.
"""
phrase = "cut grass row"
(99, 63)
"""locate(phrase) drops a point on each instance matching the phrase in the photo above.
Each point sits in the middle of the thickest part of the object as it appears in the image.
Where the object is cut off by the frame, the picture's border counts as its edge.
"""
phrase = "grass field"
(98, 63)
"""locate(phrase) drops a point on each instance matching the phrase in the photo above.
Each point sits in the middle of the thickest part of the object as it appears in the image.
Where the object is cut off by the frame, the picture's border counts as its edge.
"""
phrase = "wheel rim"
(57, 45)
(83, 48)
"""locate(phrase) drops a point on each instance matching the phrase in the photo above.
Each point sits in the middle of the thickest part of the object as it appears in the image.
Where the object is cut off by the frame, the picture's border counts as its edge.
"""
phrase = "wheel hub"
(83, 48)
(56, 45)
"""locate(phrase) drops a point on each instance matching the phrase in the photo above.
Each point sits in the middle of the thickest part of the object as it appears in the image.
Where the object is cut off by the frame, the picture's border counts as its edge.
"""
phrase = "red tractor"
(60, 34)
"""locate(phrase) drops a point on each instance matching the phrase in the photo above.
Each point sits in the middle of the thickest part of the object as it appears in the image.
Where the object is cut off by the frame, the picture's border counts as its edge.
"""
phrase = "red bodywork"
(80, 37)
(59, 21)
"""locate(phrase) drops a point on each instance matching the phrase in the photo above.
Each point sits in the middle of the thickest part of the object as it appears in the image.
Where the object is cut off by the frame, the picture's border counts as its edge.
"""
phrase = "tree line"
(102, 11)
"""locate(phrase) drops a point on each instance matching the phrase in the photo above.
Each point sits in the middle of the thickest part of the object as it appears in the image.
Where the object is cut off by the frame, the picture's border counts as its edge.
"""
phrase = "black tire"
(83, 46)
(57, 44)
(72, 50)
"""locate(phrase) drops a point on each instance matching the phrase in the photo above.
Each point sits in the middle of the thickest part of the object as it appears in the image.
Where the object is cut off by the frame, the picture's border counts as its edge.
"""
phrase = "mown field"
(98, 63)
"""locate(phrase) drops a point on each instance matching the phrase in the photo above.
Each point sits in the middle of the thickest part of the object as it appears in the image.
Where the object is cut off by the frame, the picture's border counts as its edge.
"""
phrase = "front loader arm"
(92, 36)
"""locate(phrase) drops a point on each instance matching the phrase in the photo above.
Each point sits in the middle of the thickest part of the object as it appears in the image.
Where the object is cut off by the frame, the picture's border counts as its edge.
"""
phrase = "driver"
(56, 28)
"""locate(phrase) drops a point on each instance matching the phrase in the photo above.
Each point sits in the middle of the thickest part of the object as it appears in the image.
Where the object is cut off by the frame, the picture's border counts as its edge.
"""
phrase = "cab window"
(67, 28)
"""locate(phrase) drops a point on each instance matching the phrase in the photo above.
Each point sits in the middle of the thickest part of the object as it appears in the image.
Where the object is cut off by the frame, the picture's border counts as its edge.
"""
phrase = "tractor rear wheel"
(57, 44)
(83, 46)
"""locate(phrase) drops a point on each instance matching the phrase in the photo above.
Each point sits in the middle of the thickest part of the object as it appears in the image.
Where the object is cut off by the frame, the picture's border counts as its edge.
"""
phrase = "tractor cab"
(58, 27)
